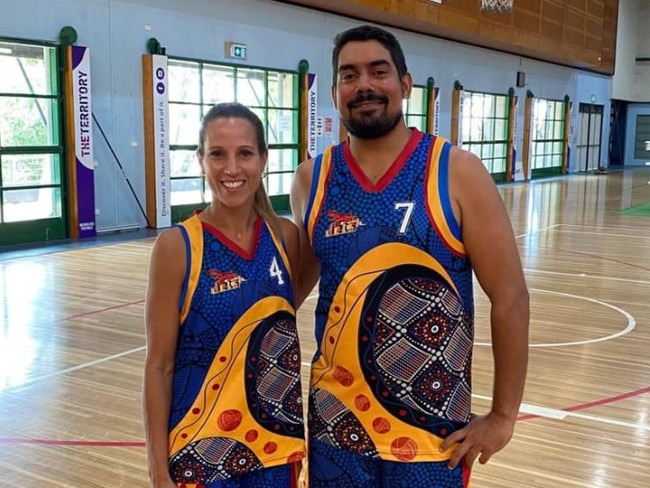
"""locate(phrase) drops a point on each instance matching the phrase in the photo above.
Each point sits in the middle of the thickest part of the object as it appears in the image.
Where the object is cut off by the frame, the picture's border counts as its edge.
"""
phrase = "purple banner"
(86, 200)
(84, 164)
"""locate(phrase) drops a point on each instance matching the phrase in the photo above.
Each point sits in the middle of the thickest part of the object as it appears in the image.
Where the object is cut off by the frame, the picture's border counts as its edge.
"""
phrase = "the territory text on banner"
(83, 132)
(312, 106)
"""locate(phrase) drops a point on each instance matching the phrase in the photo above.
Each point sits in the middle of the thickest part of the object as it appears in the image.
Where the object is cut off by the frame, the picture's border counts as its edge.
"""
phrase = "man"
(393, 223)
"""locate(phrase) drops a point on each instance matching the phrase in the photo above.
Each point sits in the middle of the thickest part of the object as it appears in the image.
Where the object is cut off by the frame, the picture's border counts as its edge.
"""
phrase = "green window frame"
(32, 164)
(415, 108)
(485, 126)
(194, 87)
(547, 137)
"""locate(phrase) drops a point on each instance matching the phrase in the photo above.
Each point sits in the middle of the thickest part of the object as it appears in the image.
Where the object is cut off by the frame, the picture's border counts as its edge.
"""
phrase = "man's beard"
(372, 126)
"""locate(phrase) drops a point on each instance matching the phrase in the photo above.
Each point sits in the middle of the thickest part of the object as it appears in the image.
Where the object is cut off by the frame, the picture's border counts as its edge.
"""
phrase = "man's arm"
(490, 244)
(309, 269)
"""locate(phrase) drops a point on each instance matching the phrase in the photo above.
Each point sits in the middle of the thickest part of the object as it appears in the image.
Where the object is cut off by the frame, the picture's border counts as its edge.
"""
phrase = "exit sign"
(236, 50)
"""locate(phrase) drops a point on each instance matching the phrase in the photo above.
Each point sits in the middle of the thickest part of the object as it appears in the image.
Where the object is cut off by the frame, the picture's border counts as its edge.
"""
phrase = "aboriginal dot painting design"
(415, 347)
(273, 375)
(212, 459)
(331, 422)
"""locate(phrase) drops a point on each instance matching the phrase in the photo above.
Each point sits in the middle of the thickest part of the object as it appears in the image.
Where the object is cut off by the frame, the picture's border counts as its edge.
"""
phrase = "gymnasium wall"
(116, 31)
(631, 81)
(642, 78)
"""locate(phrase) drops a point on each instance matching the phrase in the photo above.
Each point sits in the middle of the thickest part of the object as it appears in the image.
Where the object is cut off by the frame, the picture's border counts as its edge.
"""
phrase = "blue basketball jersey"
(237, 399)
(394, 318)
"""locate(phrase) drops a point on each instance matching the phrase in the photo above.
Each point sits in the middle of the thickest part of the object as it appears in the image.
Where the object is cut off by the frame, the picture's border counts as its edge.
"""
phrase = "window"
(272, 94)
(485, 129)
(415, 108)
(547, 133)
(642, 137)
(30, 147)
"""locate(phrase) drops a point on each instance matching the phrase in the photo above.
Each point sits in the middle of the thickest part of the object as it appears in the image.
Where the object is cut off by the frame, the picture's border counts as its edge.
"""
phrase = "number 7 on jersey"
(408, 214)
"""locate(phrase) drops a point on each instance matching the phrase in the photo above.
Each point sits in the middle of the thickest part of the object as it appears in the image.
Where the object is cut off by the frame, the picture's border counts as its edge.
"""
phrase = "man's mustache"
(367, 97)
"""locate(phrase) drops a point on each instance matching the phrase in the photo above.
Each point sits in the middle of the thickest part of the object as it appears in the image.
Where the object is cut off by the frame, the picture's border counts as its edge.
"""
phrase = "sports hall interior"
(553, 95)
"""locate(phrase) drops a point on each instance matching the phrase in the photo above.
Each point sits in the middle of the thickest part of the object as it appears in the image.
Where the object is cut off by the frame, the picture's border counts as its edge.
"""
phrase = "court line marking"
(63, 442)
(604, 234)
(73, 368)
(101, 310)
(558, 228)
(614, 227)
(536, 411)
(631, 323)
(537, 231)
(584, 275)
(605, 258)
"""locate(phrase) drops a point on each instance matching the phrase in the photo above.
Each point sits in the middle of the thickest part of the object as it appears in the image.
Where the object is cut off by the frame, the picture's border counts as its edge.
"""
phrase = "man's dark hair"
(369, 33)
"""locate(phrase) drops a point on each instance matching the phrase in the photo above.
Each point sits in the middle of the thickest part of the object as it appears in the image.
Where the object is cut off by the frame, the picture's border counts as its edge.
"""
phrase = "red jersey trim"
(233, 246)
(395, 167)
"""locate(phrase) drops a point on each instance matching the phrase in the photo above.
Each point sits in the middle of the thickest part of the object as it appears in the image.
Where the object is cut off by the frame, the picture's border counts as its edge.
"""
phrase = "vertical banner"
(568, 133)
(433, 108)
(81, 166)
(528, 139)
(312, 107)
(511, 154)
(457, 101)
(155, 87)
(436, 111)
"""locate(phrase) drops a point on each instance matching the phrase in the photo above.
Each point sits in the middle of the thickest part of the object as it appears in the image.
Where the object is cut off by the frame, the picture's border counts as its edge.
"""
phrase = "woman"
(222, 392)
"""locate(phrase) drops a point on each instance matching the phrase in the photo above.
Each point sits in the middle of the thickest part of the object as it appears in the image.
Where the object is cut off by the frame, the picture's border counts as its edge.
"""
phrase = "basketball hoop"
(496, 5)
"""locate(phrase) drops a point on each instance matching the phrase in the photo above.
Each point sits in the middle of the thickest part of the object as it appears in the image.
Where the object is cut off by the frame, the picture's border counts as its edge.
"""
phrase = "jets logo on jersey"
(342, 223)
(225, 281)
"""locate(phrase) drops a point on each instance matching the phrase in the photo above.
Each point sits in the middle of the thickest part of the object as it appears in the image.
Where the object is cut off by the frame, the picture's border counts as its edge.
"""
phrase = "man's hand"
(484, 435)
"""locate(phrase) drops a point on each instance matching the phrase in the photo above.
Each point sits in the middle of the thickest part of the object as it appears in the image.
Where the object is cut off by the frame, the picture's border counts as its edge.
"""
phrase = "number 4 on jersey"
(408, 214)
(276, 272)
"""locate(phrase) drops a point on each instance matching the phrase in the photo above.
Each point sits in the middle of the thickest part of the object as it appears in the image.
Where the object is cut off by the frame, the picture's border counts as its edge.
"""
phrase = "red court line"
(101, 310)
(595, 403)
(56, 442)
(604, 401)
(613, 260)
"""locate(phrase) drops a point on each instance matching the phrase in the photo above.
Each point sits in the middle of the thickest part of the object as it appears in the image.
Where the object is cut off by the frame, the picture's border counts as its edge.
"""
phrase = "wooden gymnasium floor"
(72, 349)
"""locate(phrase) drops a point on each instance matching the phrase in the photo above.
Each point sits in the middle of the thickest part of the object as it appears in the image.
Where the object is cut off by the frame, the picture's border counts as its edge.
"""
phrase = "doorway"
(589, 138)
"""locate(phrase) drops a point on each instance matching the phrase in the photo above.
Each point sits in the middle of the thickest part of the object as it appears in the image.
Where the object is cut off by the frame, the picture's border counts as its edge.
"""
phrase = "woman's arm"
(166, 274)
